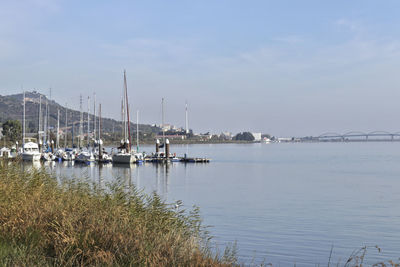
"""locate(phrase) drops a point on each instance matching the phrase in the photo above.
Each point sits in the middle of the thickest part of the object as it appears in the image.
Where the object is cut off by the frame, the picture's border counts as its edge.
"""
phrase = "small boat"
(175, 159)
(69, 154)
(103, 157)
(139, 157)
(84, 157)
(30, 151)
(266, 140)
(59, 154)
(194, 160)
(123, 157)
(48, 156)
(5, 153)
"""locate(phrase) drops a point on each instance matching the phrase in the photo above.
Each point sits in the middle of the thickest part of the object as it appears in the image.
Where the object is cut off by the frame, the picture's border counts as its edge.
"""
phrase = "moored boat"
(30, 151)
(84, 157)
(7, 153)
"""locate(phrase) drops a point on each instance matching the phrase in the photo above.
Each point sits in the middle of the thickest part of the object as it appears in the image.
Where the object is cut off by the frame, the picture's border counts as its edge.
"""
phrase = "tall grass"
(47, 223)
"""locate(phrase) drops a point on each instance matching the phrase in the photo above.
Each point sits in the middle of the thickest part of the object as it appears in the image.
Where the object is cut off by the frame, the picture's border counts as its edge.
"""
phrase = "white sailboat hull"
(31, 156)
(68, 156)
(84, 157)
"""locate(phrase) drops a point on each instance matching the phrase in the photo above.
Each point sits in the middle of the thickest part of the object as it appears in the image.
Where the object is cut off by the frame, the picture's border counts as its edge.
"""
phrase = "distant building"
(257, 136)
(285, 139)
(166, 127)
(205, 136)
(172, 136)
(226, 135)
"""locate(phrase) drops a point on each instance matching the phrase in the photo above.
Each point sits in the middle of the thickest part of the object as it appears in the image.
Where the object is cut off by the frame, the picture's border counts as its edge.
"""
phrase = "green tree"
(245, 136)
(12, 130)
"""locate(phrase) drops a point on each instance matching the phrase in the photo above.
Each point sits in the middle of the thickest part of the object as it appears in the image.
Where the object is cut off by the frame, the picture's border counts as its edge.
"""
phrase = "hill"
(11, 107)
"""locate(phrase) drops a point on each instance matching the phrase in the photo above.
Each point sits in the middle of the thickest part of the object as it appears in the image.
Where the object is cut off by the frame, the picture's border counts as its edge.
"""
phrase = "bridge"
(354, 136)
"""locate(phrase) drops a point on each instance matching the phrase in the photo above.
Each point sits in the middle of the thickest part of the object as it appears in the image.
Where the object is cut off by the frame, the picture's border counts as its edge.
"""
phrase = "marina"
(43, 147)
(31, 153)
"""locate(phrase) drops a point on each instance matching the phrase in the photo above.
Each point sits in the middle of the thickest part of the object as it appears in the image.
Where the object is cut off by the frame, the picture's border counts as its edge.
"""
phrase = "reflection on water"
(286, 203)
(31, 166)
(105, 174)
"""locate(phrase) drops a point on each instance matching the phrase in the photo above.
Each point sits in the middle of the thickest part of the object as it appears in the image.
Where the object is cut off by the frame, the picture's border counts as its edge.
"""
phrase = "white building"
(257, 136)
(226, 135)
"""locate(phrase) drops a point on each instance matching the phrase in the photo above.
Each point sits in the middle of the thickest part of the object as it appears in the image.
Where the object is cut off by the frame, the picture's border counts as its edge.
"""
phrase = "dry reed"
(48, 223)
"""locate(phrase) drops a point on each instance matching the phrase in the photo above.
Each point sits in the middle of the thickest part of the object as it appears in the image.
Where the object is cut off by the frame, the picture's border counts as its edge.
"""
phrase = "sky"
(288, 68)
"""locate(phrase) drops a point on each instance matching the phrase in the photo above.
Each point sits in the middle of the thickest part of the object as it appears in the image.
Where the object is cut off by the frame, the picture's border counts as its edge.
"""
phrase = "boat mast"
(127, 111)
(123, 128)
(100, 142)
(94, 116)
(40, 116)
(186, 118)
(58, 129)
(66, 126)
(88, 120)
(23, 123)
(137, 131)
(45, 123)
(48, 117)
(99, 123)
(162, 125)
(80, 124)
(72, 131)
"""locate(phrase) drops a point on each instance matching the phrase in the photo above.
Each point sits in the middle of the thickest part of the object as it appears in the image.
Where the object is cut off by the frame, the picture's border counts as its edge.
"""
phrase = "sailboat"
(139, 156)
(101, 155)
(84, 156)
(47, 149)
(30, 149)
(69, 154)
(124, 154)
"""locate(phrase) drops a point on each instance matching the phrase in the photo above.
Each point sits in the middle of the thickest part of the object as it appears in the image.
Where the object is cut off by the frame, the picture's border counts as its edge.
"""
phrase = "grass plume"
(48, 223)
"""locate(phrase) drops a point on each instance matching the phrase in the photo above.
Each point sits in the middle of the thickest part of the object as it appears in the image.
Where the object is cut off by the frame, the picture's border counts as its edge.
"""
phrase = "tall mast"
(66, 126)
(80, 124)
(127, 111)
(162, 115)
(99, 122)
(123, 116)
(72, 131)
(58, 129)
(40, 117)
(186, 118)
(23, 123)
(45, 127)
(48, 117)
(88, 120)
(94, 116)
(137, 131)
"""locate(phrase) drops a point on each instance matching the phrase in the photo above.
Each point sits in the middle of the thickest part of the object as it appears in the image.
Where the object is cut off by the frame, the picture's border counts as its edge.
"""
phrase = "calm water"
(282, 203)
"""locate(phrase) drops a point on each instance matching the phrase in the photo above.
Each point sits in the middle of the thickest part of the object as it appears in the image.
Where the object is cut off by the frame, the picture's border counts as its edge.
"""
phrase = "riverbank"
(67, 223)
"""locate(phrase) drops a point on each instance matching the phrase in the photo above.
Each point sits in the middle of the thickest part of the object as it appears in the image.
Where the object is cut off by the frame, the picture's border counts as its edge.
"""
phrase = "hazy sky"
(289, 68)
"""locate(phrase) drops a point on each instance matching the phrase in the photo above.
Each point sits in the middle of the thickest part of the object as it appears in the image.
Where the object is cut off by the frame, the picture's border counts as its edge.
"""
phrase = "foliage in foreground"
(47, 223)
